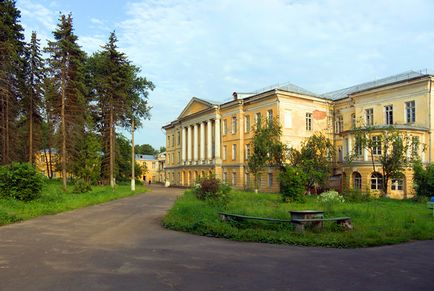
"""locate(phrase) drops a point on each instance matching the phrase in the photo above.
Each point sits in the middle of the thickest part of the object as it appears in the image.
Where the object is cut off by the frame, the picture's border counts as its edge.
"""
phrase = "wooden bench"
(431, 205)
(318, 223)
(238, 217)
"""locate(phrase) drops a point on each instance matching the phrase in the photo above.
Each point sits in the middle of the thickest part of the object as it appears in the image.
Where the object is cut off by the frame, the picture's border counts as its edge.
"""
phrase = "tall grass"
(375, 222)
(54, 200)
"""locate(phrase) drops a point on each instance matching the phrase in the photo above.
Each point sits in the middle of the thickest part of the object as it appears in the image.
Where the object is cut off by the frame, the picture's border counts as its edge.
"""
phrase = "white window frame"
(376, 150)
(247, 151)
(225, 152)
(234, 125)
(234, 152)
(270, 180)
(308, 121)
(376, 181)
(369, 116)
(410, 111)
(388, 111)
(247, 123)
(225, 126)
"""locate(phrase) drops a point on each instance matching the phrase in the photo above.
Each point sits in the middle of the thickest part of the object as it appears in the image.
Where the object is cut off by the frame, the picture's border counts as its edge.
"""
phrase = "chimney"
(235, 95)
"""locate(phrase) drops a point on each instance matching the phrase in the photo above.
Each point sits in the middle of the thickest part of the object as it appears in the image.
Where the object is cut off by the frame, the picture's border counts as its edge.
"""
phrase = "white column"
(209, 131)
(202, 141)
(217, 137)
(189, 143)
(365, 155)
(196, 143)
(184, 144)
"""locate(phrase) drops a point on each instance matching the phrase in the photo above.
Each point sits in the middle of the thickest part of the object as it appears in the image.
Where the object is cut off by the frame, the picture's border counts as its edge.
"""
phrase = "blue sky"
(210, 49)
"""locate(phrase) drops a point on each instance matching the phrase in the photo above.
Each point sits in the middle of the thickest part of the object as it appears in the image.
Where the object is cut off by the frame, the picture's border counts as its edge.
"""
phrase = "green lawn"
(377, 222)
(54, 200)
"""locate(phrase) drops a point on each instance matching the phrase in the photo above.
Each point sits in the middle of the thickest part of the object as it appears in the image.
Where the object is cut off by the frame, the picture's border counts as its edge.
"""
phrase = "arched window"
(376, 181)
(357, 181)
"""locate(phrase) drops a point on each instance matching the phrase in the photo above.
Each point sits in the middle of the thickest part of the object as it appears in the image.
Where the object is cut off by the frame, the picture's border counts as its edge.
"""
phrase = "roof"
(139, 157)
(343, 93)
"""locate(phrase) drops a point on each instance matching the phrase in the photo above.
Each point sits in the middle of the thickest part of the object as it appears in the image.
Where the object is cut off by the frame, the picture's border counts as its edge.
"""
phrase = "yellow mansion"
(214, 138)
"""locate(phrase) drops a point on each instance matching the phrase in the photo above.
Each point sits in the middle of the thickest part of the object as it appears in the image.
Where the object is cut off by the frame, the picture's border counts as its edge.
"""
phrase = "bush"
(423, 179)
(81, 186)
(292, 184)
(20, 181)
(329, 199)
(356, 196)
(210, 188)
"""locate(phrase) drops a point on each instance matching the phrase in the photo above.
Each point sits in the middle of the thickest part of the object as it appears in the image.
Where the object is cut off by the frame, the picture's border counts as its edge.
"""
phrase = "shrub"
(210, 188)
(355, 195)
(81, 186)
(329, 199)
(292, 184)
(20, 181)
(423, 179)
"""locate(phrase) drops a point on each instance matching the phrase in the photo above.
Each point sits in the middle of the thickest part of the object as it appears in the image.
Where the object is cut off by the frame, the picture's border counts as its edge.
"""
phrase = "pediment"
(195, 105)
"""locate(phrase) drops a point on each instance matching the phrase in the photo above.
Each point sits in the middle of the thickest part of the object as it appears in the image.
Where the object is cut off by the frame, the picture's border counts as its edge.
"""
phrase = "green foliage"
(423, 179)
(145, 149)
(355, 195)
(292, 184)
(20, 181)
(329, 199)
(376, 222)
(211, 188)
(314, 159)
(267, 149)
(81, 186)
(397, 149)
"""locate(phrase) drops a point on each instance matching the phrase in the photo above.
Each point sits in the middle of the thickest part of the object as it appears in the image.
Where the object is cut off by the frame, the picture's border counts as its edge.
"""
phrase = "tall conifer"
(11, 64)
(66, 65)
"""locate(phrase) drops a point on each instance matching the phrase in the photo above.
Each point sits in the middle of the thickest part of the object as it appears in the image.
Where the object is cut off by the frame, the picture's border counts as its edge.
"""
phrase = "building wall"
(291, 110)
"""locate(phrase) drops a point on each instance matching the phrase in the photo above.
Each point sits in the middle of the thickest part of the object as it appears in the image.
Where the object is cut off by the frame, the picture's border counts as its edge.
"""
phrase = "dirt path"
(120, 245)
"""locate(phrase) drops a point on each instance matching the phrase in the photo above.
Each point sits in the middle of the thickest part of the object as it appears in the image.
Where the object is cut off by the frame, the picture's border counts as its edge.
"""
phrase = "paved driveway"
(120, 245)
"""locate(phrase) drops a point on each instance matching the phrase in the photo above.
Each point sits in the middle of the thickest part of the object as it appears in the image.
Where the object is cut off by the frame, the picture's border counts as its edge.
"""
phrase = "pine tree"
(120, 94)
(11, 64)
(66, 65)
(33, 95)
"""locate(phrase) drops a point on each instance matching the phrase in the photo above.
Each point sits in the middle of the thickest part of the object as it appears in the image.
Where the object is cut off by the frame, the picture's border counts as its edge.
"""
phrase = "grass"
(54, 200)
(376, 222)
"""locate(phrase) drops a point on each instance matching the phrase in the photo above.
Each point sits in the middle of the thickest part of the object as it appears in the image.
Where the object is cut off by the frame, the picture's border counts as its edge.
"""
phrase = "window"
(376, 181)
(309, 121)
(234, 178)
(179, 157)
(153, 165)
(358, 146)
(410, 110)
(168, 141)
(270, 180)
(288, 119)
(173, 158)
(225, 177)
(397, 184)
(247, 180)
(179, 138)
(369, 113)
(173, 140)
(270, 117)
(225, 126)
(234, 125)
(234, 151)
(353, 120)
(247, 151)
(376, 145)
(247, 123)
(389, 114)
(258, 120)
(339, 124)
(225, 152)
(357, 181)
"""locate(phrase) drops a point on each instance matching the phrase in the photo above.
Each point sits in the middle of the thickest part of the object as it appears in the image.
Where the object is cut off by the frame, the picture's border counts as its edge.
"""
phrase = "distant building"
(151, 164)
(215, 138)
(47, 163)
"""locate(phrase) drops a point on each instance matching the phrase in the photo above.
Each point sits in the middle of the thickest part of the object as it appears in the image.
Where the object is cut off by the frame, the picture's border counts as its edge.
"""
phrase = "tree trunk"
(133, 162)
(63, 131)
(46, 163)
(111, 148)
(31, 132)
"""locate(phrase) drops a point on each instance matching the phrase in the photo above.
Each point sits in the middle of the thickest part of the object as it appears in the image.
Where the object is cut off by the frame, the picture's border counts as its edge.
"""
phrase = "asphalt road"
(120, 245)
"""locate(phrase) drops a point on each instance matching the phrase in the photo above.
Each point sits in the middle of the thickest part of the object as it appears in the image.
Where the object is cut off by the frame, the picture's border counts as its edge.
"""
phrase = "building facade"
(214, 138)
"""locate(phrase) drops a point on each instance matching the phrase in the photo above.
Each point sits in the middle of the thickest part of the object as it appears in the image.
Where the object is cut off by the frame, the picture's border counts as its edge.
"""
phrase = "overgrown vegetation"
(211, 189)
(54, 200)
(376, 222)
(424, 179)
(292, 184)
(20, 181)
